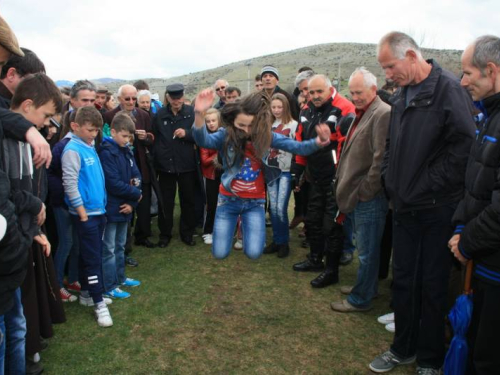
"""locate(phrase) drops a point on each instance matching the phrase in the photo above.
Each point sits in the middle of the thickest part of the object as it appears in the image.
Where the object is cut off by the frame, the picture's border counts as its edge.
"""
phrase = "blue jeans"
(279, 195)
(67, 247)
(113, 255)
(368, 219)
(12, 347)
(252, 221)
(348, 235)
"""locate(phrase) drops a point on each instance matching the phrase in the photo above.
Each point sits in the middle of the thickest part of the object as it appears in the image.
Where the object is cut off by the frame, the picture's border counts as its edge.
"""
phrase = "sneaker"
(346, 258)
(117, 293)
(388, 360)
(238, 245)
(88, 301)
(386, 319)
(427, 371)
(74, 287)
(129, 261)
(208, 239)
(103, 316)
(391, 327)
(131, 282)
(67, 296)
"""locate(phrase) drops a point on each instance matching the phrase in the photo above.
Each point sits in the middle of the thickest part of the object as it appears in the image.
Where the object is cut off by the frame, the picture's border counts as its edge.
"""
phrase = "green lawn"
(197, 315)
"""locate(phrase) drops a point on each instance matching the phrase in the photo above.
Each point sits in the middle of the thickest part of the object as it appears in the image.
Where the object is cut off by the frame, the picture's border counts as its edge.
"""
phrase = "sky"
(155, 39)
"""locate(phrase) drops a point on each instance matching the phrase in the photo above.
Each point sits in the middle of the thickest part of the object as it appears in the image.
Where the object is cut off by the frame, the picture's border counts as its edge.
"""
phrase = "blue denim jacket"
(216, 141)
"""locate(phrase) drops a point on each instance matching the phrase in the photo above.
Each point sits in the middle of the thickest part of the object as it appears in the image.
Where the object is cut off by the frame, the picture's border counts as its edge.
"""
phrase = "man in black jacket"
(175, 161)
(270, 79)
(430, 134)
(477, 219)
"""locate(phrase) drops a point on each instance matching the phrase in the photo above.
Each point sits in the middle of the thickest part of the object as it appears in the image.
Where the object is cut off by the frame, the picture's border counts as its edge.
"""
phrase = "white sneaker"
(391, 327)
(88, 301)
(208, 239)
(386, 319)
(238, 245)
(103, 316)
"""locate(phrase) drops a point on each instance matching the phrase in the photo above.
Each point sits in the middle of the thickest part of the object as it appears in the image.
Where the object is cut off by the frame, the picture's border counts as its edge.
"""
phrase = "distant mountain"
(63, 83)
(104, 81)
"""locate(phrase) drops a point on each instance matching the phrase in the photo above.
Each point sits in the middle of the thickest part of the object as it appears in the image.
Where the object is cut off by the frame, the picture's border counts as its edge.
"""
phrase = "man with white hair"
(431, 131)
(477, 219)
(220, 87)
(359, 191)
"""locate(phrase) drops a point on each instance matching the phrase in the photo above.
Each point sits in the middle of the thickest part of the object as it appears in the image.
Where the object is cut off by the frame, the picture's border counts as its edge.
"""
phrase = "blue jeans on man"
(368, 219)
(253, 225)
(68, 246)
(113, 255)
(279, 195)
(13, 332)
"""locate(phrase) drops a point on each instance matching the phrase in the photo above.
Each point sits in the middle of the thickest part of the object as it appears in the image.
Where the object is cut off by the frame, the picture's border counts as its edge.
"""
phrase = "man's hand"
(323, 132)
(44, 242)
(179, 133)
(204, 100)
(126, 209)
(40, 218)
(41, 149)
(453, 245)
(141, 134)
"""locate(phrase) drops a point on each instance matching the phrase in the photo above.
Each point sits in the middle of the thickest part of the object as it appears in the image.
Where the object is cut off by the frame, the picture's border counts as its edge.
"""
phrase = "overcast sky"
(150, 38)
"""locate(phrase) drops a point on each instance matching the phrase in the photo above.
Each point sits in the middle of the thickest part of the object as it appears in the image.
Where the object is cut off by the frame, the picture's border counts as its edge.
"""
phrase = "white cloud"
(134, 39)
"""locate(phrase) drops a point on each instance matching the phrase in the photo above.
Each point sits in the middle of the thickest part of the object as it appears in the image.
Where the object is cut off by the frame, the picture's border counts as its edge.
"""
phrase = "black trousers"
(168, 186)
(386, 248)
(484, 330)
(421, 267)
(142, 224)
(212, 194)
(325, 236)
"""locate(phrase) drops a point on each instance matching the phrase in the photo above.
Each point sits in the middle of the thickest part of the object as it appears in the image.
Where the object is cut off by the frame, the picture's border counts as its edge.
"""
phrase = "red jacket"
(207, 157)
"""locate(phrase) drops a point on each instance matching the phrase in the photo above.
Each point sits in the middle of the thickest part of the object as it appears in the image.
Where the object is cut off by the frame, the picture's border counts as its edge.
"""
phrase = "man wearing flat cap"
(270, 79)
(175, 162)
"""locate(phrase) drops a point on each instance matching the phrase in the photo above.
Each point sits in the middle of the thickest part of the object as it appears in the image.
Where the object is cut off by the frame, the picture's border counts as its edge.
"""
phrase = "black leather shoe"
(188, 241)
(146, 243)
(325, 278)
(131, 262)
(163, 243)
(283, 250)
(271, 248)
(346, 258)
(305, 244)
(307, 266)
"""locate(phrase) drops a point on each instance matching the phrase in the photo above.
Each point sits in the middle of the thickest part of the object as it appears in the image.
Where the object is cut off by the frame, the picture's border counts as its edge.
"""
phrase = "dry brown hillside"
(332, 59)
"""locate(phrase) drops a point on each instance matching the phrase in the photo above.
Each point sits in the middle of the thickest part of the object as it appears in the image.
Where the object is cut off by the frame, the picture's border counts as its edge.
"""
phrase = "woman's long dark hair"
(257, 105)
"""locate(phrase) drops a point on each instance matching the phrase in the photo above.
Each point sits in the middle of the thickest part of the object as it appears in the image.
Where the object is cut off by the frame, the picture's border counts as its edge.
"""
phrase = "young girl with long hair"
(244, 144)
(280, 189)
(211, 170)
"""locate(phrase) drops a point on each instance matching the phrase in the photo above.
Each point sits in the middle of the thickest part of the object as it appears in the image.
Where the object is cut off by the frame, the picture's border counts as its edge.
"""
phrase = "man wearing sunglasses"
(220, 87)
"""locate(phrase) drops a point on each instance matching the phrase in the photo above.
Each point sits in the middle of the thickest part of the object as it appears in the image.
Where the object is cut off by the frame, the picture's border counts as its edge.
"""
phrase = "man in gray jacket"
(359, 190)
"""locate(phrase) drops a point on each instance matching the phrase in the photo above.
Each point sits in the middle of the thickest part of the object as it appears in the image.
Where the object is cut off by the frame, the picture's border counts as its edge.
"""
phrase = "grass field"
(197, 315)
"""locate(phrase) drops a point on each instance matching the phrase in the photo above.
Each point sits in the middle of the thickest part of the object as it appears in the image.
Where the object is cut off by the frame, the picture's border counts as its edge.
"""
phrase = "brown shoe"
(346, 289)
(345, 306)
(296, 221)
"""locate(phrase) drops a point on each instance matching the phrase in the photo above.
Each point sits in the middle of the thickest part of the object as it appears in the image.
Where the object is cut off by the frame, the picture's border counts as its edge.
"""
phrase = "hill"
(333, 59)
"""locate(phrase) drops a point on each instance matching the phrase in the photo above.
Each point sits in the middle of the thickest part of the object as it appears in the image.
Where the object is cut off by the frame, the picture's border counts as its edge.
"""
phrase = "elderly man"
(430, 134)
(324, 232)
(127, 97)
(14, 71)
(176, 163)
(477, 218)
(220, 87)
(270, 78)
(359, 191)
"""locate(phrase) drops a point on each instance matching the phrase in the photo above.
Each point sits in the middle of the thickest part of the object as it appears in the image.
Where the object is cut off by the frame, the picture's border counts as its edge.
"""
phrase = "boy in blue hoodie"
(85, 196)
(123, 182)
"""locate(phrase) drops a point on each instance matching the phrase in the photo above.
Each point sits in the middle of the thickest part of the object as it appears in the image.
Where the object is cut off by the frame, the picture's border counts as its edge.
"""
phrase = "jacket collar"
(491, 103)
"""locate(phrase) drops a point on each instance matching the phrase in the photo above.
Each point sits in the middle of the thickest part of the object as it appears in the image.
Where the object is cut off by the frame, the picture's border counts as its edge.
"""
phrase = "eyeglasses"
(130, 98)
(220, 88)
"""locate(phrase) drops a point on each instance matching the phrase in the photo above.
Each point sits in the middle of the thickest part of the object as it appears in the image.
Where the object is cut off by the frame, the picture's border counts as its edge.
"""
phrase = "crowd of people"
(412, 167)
